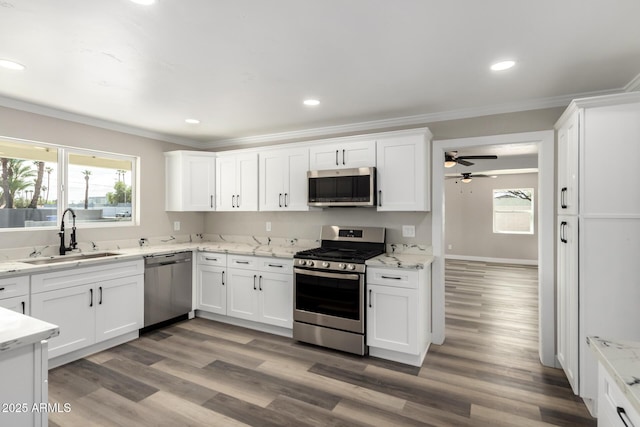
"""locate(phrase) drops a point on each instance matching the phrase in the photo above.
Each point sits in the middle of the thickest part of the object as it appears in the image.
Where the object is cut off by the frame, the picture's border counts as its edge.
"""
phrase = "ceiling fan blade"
(490, 157)
(484, 176)
(463, 162)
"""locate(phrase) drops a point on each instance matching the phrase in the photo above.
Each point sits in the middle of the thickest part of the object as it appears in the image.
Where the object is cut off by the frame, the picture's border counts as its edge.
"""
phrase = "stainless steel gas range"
(330, 288)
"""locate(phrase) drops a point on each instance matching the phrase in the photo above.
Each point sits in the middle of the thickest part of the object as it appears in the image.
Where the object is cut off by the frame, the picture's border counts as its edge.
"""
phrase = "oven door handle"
(347, 276)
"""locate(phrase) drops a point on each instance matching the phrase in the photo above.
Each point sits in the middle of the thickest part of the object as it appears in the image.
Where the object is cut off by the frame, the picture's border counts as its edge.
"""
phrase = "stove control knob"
(310, 263)
(325, 264)
(342, 266)
(301, 262)
(351, 267)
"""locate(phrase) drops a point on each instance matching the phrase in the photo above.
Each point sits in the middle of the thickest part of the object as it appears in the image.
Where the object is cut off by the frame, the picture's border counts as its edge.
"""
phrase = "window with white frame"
(513, 211)
(39, 181)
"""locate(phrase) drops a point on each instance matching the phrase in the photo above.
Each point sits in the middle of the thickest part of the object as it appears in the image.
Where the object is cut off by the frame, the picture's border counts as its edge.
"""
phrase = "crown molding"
(92, 121)
(405, 121)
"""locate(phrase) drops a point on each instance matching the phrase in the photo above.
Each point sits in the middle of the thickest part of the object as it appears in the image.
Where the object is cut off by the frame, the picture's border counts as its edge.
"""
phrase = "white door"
(276, 299)
(226, 183)
(402, 174)
(119, 306)
(567, 298)
(212, 291)
(242, 294)
(391, 318)
(73, 310)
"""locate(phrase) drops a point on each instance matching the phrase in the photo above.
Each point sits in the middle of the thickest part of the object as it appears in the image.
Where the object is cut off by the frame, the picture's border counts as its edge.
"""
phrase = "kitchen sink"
(67, 258)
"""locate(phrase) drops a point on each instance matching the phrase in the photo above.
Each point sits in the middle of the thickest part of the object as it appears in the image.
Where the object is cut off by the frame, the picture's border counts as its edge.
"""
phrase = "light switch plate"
(408, 231)
(268, 226)
(176, 225)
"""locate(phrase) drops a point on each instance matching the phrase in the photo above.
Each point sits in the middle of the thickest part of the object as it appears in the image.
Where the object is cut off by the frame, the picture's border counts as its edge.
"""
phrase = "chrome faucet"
(73, 243)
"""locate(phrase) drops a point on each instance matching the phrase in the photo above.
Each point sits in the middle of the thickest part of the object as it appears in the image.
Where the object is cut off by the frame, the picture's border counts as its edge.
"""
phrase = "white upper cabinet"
(403, 172)
(237, 182)
(283, 179)
(342, 155)
(190, 181)
(568, 138)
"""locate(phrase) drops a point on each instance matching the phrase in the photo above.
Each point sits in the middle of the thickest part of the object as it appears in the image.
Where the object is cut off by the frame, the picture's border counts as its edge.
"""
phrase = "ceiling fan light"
(466, 180)
(450, 163)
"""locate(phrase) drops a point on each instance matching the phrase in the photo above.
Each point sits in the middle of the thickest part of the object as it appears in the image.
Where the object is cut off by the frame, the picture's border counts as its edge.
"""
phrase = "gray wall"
(469, 219)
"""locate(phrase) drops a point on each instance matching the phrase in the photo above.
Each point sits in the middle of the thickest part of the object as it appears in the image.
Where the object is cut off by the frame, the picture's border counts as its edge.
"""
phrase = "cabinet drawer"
(212, 258)
(276, 265)
(14, 287)
(397, 277)
(611, 401)
(242, 261)
(83, 275)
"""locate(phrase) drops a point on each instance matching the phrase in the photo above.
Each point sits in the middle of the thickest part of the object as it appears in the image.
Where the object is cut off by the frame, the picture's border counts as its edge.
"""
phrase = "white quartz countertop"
(17, 330)
(622, 360)
(403, 260)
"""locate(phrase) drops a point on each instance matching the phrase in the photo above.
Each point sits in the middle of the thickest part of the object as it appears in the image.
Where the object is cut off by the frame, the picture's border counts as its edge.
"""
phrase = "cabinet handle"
(211, 259)
(563, 203)
(276, 265)
(620, 410)
(379, 197)
(286, 205)
(233, 201)
(343, 162)
(280, 200)
(391, 277)
(254, 282)
(241, 262)
(91, 297)
(260, 282)
(100, 300)
(1, 289)
(223, 278)
(370, 299)
(24, 310)
(563, 238)
(337, 158)
(211, 201)
(237, 200)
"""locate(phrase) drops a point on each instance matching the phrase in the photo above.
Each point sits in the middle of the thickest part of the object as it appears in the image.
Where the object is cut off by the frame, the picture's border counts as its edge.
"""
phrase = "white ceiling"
(243, 67)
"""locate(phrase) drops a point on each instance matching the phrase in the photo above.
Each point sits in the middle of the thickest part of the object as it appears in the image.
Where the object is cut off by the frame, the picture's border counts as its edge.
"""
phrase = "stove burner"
(339, 254)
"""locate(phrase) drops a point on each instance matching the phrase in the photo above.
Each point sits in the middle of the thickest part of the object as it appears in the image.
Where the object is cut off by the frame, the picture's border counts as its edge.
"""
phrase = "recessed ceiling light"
(144, 2)
(11, 65)
(192, 121)
(311, 102)
(503, 65)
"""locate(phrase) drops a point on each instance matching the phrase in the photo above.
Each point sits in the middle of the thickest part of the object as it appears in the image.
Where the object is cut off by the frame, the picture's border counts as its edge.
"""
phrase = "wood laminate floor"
(204, 373)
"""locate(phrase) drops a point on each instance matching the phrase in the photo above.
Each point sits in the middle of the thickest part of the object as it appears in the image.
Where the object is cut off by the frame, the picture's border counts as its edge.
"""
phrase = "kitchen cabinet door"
(73, 310)
(119, 306)
(403, 173)
(242, 295)
(275, 299)
(226, 183)
(283, 180)
(237, 182)
(342, 155)
(392, 318)
(567, 298)
(568, 161)
(190, 181)
(17, 304)
(212, 291)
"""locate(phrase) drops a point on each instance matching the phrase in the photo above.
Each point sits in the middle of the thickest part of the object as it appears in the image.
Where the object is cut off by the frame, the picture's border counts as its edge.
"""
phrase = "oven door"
(333, 300)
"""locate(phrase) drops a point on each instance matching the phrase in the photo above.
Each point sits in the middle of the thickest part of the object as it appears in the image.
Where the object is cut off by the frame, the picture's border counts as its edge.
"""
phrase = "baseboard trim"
(271, 329)
(489, 259)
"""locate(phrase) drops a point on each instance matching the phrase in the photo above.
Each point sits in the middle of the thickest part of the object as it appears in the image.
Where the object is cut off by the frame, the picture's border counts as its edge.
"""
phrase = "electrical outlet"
(450, 247)
(268, 226)
(408, 231)
(176, 225)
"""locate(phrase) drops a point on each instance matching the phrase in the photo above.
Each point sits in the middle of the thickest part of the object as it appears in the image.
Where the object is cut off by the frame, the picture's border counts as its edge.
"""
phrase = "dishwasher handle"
(151, 261)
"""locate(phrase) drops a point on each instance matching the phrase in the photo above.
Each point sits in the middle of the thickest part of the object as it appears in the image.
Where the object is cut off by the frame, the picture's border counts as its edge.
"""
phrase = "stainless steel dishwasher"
(167, 287)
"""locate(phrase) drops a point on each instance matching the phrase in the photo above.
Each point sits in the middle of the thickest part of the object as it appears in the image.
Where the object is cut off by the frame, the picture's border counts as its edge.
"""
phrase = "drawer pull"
(624, 417)
(24, 306)
(1, 289)
(241, 262)
(391, 277)
(211, 259)
(276, 265)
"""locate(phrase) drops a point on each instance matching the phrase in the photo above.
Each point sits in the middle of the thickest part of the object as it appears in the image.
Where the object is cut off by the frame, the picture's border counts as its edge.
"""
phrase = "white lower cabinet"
(261, 290)
(614, 409)
(14, 294)
(211, 283)
(398, 314)
(104, 307)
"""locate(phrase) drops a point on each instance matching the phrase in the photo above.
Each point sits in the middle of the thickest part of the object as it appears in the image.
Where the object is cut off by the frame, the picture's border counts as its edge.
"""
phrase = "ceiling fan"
(451, 159)
(466, 177)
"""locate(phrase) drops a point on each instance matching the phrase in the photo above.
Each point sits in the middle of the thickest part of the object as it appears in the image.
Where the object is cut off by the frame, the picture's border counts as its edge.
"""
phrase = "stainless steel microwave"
(342, 187)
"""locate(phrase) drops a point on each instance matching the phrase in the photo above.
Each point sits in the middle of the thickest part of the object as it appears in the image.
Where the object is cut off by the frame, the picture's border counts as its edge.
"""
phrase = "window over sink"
(38, 181)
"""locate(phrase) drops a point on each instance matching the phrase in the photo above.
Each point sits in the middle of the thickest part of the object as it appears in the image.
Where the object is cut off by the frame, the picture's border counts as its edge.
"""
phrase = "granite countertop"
(402, 260)
(17, 330)
(622, 360)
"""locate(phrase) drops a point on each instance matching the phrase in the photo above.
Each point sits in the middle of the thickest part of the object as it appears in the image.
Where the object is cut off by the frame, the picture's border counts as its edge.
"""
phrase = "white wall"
(154, 221)
(469, 220)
